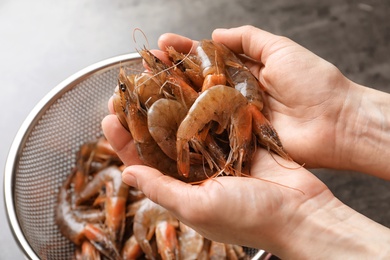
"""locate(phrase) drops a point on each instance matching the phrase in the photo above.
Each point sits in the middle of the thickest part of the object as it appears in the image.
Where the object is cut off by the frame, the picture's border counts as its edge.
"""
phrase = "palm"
(238, 210)
(302, 117)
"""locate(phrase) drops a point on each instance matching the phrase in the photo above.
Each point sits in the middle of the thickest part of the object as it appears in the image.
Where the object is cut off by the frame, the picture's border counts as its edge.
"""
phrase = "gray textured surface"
(43, 42)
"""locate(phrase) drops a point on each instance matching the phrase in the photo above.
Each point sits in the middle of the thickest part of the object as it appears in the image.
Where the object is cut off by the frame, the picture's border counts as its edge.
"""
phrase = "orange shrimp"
(236, 108)
(164, 118)
(148, 150)
(223, 105)
(115, 201)
(98, 151)
(244, 81)
(77, 230)
(131, 249)
(153, 219)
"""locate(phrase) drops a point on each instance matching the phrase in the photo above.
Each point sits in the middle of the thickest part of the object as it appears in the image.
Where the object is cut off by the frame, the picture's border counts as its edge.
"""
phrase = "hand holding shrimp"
(257, 213)
(208, 133)
(309, 103)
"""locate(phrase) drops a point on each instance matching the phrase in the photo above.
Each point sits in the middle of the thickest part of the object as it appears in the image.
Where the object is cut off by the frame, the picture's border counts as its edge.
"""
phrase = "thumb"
(161, 189)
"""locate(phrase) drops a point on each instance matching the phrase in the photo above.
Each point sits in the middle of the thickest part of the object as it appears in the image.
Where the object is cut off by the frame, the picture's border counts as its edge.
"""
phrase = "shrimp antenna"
(289, 168)
(281, 185)
(144, 36)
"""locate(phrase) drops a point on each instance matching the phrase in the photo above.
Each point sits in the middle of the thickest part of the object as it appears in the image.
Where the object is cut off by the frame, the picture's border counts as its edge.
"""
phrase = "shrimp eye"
(122, 87)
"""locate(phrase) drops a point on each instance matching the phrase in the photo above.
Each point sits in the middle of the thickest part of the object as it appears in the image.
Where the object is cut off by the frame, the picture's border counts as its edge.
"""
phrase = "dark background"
(43, 42)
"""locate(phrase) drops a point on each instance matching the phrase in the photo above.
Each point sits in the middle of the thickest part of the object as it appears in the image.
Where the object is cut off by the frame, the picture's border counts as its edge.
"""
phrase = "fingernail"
(220, 30)
(129, 179)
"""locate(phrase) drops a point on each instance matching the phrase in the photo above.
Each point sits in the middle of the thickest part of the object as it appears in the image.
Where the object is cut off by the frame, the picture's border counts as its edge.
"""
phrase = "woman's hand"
(323, 118)
(282, 208)
(305, 93)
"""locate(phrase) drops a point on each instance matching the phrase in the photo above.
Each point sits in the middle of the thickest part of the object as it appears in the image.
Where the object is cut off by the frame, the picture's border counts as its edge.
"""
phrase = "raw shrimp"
(148, 150)
(217, 251)
(115, 200)
(100, 153)
(77, 230)
(107, 219)
(238, 111)
(191, 242)
(223, 105)
(153, 219)
(243, 80)
(164, 118)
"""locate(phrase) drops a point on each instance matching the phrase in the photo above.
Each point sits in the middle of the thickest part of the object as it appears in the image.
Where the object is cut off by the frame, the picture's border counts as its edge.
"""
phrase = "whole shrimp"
(237, 109)
(164, 118)
(114, 203)
(164, 131)
(77, 230)
(243, 80)
(223, 105)
(152, 219)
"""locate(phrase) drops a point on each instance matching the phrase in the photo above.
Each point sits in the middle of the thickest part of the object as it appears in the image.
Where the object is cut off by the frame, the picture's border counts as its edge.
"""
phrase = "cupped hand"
(261, 211)
(282, 207)
(305, 94)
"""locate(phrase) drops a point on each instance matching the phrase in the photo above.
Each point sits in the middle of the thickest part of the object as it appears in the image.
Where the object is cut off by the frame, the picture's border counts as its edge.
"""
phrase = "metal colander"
(44, 152)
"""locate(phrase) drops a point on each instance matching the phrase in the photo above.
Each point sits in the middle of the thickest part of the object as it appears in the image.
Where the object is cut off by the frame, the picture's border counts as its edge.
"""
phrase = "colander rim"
(24, 131)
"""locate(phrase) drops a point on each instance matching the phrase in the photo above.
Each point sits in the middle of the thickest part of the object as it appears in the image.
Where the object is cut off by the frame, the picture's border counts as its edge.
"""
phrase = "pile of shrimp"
(106, 219)
(199, 116)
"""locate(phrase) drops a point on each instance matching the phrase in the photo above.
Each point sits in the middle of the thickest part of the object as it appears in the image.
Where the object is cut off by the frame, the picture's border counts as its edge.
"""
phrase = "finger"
(120, 140)
(179, 43)
(248, 40)
(111, 105)
(162, 55)
(162, 189)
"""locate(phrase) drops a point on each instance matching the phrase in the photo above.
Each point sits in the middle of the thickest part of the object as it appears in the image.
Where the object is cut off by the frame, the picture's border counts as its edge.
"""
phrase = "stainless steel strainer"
(43, 154)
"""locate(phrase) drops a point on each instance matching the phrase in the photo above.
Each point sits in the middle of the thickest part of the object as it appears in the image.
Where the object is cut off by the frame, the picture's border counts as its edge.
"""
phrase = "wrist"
(364, 132)
(332, 230)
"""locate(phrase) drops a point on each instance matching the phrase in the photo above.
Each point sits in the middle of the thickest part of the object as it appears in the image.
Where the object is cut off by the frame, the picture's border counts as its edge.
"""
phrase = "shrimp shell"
(218, 103)
(164, 118)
